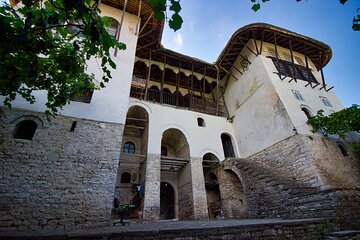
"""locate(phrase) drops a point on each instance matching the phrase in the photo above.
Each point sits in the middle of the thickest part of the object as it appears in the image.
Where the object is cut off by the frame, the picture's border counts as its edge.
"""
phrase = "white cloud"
(179, 40)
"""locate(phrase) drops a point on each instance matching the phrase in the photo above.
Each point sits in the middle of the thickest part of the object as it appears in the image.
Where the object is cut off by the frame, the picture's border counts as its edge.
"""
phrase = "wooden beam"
(292, 60)
(120, 26)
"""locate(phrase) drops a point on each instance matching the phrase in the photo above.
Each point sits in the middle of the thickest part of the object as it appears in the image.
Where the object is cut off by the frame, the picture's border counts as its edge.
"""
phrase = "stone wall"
(286, 180)
(185, 193)
(151, 209)
(60, 179)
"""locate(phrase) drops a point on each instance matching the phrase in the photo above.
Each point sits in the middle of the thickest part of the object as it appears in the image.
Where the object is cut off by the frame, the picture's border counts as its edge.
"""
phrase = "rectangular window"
(295, 71)
(325, 101)
(85, 97)
(298, 95)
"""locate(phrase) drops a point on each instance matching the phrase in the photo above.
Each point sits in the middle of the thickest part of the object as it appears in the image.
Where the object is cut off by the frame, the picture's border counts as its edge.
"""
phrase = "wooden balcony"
(203, 105)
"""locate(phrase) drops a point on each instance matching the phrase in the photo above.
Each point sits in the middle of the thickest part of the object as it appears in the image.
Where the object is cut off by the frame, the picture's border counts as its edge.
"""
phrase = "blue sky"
(208, 25)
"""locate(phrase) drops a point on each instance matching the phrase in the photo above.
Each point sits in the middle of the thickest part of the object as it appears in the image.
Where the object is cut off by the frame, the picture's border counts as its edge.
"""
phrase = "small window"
(325, 101)
(113, 28)
(85, 96)
(129, 147)
(125, 177)
(201, 122)
(25, 130)
(298, 95)
(164, 151)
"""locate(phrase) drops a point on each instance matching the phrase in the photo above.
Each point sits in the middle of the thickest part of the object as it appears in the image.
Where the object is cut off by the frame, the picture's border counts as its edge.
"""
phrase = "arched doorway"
(227, 145)
(176, 170)
(232, 195)
(213, 196)
(131, 173)
(167, 201)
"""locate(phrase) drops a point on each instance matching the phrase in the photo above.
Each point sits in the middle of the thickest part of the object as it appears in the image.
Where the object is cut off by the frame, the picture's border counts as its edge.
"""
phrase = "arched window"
(129, 147)
(125, 177)
(112, 30)
(25, 129)
(342, 148)
(164, 151)
(227, 146)
(307, 112)
(201, 122)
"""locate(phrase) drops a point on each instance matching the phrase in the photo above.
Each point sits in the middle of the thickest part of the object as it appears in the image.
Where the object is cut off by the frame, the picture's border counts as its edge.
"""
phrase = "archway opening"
(307, 112)
(167, 201)
(233, 195)
(176, 170)
(213, 196)
(131, 171)
(25, 130)
(227, 145)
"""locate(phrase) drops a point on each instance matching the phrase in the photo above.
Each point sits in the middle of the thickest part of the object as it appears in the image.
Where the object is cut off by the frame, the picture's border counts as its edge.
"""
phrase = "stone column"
(198, 189)
(151, 209)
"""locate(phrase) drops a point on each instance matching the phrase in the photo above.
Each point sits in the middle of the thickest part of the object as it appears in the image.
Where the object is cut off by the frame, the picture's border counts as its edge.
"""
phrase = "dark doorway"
(227, 146)
(167, 201)
(213, 196)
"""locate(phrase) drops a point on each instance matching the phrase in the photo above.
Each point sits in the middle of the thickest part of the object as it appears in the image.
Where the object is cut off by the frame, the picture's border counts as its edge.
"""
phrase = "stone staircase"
(277, 193)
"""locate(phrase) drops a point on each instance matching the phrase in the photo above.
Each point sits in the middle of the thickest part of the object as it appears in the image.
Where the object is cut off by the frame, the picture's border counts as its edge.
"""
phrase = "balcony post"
(147, 78)
(162, 82)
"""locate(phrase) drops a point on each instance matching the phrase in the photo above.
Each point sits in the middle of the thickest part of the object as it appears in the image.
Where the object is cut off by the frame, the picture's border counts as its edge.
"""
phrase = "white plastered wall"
(109, 104)
(201, 140)
(311, 95)
(259, 117)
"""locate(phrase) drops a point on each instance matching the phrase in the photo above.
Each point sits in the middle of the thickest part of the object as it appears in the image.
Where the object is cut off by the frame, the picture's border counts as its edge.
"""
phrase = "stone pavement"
(215, 229)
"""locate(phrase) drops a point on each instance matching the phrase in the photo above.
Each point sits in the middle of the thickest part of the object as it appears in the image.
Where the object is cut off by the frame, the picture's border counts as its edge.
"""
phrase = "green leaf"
(343, 1)
(256, 7)
(159, 15)
(175, 6)
(111, 63)
(175, 22)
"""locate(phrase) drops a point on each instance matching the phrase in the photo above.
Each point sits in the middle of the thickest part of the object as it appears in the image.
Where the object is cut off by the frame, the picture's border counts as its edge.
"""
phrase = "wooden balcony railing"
(203, 105)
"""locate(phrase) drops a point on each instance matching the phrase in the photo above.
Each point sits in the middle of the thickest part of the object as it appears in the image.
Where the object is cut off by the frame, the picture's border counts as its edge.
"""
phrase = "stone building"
(181, 138)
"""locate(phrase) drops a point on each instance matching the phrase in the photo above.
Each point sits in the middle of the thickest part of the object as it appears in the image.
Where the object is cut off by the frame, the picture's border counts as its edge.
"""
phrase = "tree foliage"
(45, 45)
(160, 12)
(356, 20)
(339, 123)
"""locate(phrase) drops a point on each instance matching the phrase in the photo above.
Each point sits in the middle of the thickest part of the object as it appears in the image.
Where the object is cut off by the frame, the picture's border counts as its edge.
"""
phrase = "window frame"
(298, 95)
(131, 149)
(325, 101)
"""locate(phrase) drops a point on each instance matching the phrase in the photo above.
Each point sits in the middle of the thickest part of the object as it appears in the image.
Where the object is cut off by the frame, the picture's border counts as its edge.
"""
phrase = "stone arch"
(25, 130)
(307, 111)
(176, 169)
(232, 195)
(135, 131)
(233, 174)
(176, 142)
(36, 119)
(213, 195)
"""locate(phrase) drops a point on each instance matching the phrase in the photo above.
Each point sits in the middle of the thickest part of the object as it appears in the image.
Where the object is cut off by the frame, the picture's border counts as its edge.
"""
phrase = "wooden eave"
(150, 29)
(319, 53)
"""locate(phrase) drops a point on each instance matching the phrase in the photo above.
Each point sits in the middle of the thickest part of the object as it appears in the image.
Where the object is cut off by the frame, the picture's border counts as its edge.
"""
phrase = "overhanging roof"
(319, 53)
